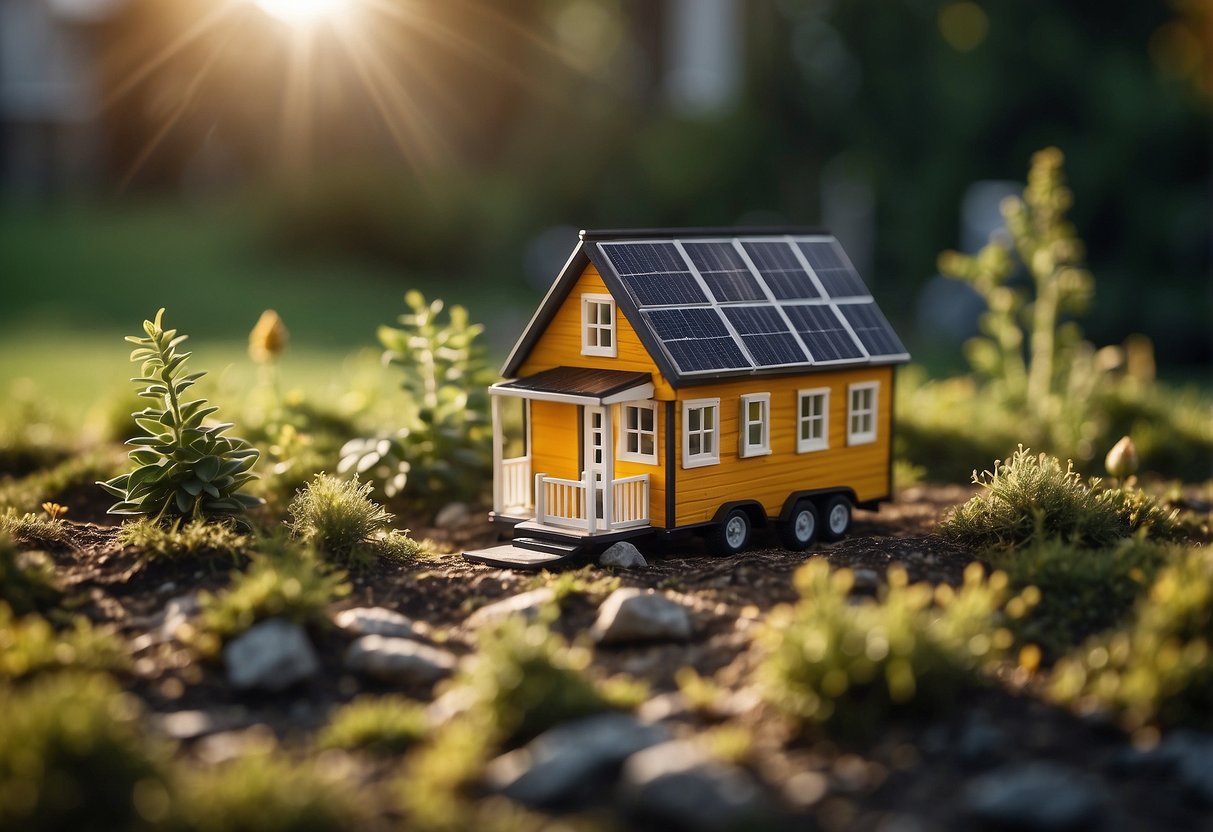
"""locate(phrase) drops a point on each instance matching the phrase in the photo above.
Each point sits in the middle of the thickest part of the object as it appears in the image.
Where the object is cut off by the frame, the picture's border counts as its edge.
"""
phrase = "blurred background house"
(321, 156)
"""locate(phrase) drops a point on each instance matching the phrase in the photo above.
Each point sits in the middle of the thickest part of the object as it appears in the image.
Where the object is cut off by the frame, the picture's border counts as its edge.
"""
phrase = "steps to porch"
(546, 547)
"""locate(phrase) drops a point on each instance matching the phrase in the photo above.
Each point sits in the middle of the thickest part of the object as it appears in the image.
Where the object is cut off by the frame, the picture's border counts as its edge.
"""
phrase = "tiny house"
(711, 381)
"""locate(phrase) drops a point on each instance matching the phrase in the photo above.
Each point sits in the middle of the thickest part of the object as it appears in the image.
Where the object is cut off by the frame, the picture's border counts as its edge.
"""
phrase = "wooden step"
(551, 545)
(509, 556)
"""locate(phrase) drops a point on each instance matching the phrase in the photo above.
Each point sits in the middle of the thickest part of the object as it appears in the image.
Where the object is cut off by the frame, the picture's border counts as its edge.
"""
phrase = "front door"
(595, 453)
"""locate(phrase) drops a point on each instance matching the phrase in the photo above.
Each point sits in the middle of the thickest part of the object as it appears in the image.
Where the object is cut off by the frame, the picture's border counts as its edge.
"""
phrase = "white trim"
(640, 391)
(817, 443)
(700, 459)
(744, 423)
(622, 452)
(599, 300)
(862, 437)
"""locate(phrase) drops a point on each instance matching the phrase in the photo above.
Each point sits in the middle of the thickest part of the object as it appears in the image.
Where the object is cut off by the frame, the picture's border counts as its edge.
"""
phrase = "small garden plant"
(183, 466)
(341, 520)
(31, 646)
(383, 725)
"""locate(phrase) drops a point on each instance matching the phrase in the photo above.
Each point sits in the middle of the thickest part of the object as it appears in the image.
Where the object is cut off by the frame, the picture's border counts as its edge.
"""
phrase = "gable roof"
(717, 303)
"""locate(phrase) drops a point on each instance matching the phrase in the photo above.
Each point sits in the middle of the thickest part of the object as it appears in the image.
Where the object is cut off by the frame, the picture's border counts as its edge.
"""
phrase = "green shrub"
(192, 540)
(1028, 498)
(340, 519)
(380, 724)
(264, 791)
(31, 646)
(32, 529)
(27, 582)
(71, 757)
(182, 465)
(294, 586)
(1158, 668)
(442, 452)
(849, 665)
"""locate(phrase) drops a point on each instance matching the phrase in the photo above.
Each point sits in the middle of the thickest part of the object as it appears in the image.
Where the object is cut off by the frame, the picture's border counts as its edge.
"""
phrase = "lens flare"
(300, 12)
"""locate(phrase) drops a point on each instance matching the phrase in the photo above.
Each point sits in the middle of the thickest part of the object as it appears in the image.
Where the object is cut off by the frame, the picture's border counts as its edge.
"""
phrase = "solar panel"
(872, 328)
(655, 274)
(823, 333)
(696, 339)
(838, 278)
(766, 335)
(645, 258)
(781, 270)
(754, 320)
(728, 277)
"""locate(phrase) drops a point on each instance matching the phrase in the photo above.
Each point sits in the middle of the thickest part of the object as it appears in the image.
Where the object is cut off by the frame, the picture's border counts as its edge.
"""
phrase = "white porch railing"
(560, 502)
(515, 485)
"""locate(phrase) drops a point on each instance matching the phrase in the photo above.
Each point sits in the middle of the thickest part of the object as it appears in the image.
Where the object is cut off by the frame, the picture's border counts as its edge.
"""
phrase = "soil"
(907, 778)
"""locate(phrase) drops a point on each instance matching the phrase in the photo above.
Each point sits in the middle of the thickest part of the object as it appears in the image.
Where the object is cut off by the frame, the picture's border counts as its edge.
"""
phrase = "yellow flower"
(54, 510)
(268, 339)
(1121, 461)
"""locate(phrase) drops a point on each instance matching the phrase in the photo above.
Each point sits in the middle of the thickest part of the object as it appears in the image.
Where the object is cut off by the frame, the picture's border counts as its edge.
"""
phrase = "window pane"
(755, 435)
(604, 314)
(646, 418)
(604, 337)
(646, 445)
(754, 411)
(694, 417)
(806, 430)
(709, 418)
(708, 440)
(694, 444)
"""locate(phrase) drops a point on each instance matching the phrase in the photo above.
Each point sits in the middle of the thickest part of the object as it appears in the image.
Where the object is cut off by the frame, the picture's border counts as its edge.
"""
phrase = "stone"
(638, 615)
(525, 604)
(624, 555)
(978, 742)
(178, 611)
(375, 621)
(571, 764)
(679, 784)
(272, 655)
(453, 515)
(400, 661)
(1036, 796)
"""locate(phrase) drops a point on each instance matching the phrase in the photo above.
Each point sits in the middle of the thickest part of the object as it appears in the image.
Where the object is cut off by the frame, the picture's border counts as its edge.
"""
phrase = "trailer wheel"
(733, 534)
(800, 529)
(837, 515)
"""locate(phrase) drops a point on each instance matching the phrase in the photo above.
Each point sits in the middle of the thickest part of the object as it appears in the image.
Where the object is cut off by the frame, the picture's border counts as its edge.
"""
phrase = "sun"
(302, 12)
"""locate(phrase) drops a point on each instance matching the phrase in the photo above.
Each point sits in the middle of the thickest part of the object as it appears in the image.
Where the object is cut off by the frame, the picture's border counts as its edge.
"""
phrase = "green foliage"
(340, 519)
(71, 756)
(295, 586)
(1160, 667)
(442, 452)
(850, 665)
(379, 724)
(32, 529)
(586, 581)
(27, 582)
(1028, 498)
(192, 540)
(265, 791)
(182, 465)
(31, 646)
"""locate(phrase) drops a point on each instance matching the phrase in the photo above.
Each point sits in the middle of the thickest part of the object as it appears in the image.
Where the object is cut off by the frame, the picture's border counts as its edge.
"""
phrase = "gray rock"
(571, 762)
(865, 579)
(399, 661)
(978, 742)
(678, 784)
(1036, 796)
(623, 555)
(375, 621)
(636, 615)
(176, 612)
(453, 515)
(1184, 756)
(1195, 768)
(272, 655)
(526, 604)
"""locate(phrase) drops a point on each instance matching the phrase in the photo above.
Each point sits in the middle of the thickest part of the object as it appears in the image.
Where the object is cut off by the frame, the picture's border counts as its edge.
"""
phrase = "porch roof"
(579, 385)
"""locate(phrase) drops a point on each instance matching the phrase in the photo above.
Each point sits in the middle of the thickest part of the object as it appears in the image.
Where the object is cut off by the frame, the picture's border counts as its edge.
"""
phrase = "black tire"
(732, 535)
(800, 529)
(836, 518)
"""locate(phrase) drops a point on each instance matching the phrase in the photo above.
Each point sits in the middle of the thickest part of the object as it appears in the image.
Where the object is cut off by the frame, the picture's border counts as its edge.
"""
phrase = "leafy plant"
(31, 646)
(27, 582)
(183, 466)
(32, 529)
(195, 539)
(345, 524)
(1028, 498)
(849, 664)
(442, 452)
(380, 724)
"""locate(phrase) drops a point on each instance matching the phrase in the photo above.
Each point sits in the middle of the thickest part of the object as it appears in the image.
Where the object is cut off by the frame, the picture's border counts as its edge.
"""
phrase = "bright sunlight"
(301, 12)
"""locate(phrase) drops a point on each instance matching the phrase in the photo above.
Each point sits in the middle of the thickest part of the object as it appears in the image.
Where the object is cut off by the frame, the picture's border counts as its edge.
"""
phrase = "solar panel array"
(752, 302)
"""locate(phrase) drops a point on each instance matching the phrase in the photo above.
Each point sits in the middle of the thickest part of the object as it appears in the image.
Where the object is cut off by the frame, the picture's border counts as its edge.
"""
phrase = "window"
(638, 432)
(813, 420)
(861, 415)
(598, 325)
(755, 427)
(700, 432)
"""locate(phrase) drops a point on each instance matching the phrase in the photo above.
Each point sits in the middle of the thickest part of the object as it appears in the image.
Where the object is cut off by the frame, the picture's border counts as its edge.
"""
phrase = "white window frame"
(700, 459)
(625, 431)
(813, 443)
(862, 437)
(588, 348)
(744, 423)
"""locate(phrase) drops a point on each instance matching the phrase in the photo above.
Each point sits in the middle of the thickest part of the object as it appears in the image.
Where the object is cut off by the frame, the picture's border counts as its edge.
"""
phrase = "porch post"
(608, 467)
(498, 448)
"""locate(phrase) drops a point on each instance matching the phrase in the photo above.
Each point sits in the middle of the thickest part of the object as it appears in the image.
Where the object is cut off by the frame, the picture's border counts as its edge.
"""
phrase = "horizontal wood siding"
(770, 479)
(554, 432)
(560, 344)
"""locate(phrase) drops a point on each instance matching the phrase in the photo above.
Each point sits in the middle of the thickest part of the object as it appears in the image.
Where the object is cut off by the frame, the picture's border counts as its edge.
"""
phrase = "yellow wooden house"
(694, 380)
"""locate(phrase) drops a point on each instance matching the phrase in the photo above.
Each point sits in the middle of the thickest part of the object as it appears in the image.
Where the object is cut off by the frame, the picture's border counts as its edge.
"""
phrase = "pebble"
(272, 655)
(978, 741)
(400, 661)
(680, 785)
(572, 763)
(375, 621)
(865, 579)
(453, 515)
(526, 604)
(633, 614)
(1036, 796)
(624, 555)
